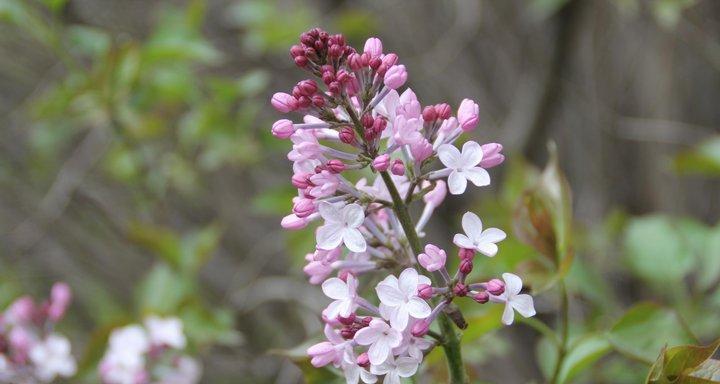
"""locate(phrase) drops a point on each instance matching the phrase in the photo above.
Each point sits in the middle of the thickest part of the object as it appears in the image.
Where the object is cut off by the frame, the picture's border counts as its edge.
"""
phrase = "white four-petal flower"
(381, 338)
(463, 166)
(394, 370)
(523, 303)
(399, 298)
(341, 226)
(344, 294)
(477, 239)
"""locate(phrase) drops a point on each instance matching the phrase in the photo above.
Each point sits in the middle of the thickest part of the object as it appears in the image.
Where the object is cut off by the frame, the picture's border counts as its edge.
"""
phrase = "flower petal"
(366, 336)
(332, 310)
(353, 215)
(330, 212)
(472, 225)
(449, 155)
(456, 183)
(487, 249)
(418, 308)
(408, 282)
(329, 236)
(399, 318)
(508, 314)
(463, 241)
(335, 288)
(406, 366)
(513, 284)
(524, 305)
(492, 235)
(472, 154)
(379, 351)
(389, 295)
(354, 240)
(478, 176)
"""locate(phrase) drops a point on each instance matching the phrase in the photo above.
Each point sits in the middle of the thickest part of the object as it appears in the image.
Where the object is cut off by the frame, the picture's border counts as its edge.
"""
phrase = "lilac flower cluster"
(354, 119)
(149, 353)
(31, 351)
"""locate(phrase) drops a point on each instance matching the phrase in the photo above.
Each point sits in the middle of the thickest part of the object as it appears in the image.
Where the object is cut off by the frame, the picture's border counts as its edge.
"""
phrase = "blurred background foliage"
(137, 165)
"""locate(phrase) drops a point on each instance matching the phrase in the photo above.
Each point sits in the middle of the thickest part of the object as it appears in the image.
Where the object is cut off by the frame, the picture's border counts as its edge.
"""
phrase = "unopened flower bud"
(335, 51)
(433, 258)
(335, 166)
(365, 60)
(481, 297)
(468, 115)
(373, 47)
(466, 266)
(307, 87)
(300, 181)
(397, 168)
(495, 287)
(283, 129)
(296, 51)
(60, 297)
(425, 291)
(318, 101)
(347, 135)
(443, 111)
(304, 208)
(367, 120)
(429, 114)
(363, 360)
(390, 59)
(395, 76)
(350, 320)
(460, 289)
(354, 62)
(348, 333)
(22, 309)
(375, 63)
(466, 253)
(366, 320)
(381, 163)
(284, 102)
(420, 328)
(491, 155)
(301, 61)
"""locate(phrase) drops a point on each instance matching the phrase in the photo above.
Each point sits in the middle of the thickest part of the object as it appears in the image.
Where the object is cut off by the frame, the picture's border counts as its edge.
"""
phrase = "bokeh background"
(136, 163)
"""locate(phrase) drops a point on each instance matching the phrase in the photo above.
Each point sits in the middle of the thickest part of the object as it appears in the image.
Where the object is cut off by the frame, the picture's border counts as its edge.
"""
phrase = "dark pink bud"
(481, 297)
(429, 114)
(354, 62)
(318, 101)
(301, 61)
(443, 111)
(342, 76)
(347, 135)
(366, 321)
(425, 291)
(397, 168)
(300, 181)
(347, 320)
(334, 87)
(460, 289)
(466, 266)
(367, 120)
(342, 275)
(335, 166)
(420, 328)
(495, 287)
(307, 87)
(307, 39)
(390, 59)
(284, 102)
(381, 163)
(466, 253)
(375, 63)
(347, 333)
(365, 60)
(328, 77)
(296, 51)
(335, 50)
(381, 70)
(310, 53)
(379, 124)
(363, 360)
(304, 102)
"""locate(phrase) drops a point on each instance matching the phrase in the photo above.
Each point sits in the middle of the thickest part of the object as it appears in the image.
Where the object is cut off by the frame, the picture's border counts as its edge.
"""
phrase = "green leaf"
(645, 329)
(311, 375)
(709, 268)
(679, 364)
(543, 219)
(197, 247)
(207, 327)
(703, 159)
(582, 353)
(161, 241)
(163, 291)
(656, 251)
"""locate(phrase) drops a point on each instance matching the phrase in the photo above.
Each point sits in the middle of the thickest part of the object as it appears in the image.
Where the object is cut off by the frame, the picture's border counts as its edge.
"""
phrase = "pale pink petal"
(472, 225)
(457, 183)
(524, 305)
(329, 236)
(378, 351)
(492, 235)
(472, 154)
(508, 314)
(418, 308)
(513, 284)
(389, 295)
(366, 336)
(399, 318)
(330, 212)
(335, 288)
(353, 215)
(408, 282)
(333, 310)
(354, 240)
(463, 241)
(477, 176)
(406, 366)
(449, 155)
(487, 249)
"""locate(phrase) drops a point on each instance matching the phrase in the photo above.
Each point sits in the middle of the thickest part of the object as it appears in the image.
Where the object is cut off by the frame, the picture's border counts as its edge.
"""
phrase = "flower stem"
(564, 330)
(451, 345)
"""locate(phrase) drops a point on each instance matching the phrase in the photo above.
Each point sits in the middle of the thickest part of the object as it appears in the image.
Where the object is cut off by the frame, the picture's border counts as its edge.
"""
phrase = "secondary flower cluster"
(149, 353)
(355, 119)
(30, 349)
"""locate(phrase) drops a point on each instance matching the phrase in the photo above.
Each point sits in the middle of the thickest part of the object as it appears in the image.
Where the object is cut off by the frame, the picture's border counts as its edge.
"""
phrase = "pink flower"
(395, 77)
(283, 129)
(284, 102)
(491, 155)
(373, 47)
(304, 207)
(330, 351)
(319, 264)
(325, 183)
(399, 298)
(421, 150)
(293, 222)
(407, 130)
(397, 168)
(467, 115)
(381, 163)
(344, 294)
(381, 338)
(433, 259)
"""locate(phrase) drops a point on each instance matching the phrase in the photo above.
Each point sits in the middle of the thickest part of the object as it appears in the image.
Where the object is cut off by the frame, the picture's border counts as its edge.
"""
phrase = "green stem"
(564, 331)
(451, 345)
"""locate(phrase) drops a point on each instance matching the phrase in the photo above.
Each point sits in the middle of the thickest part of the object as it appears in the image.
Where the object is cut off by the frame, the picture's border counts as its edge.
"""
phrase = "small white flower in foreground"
(52, 358)
(166, 332)
(477, 239)
(355, 373)
(344, 294)
(512, 298)
(341, 226)
(131, 339)
(464, 166)
(394, 370)
(381, 338)
(399, 298)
